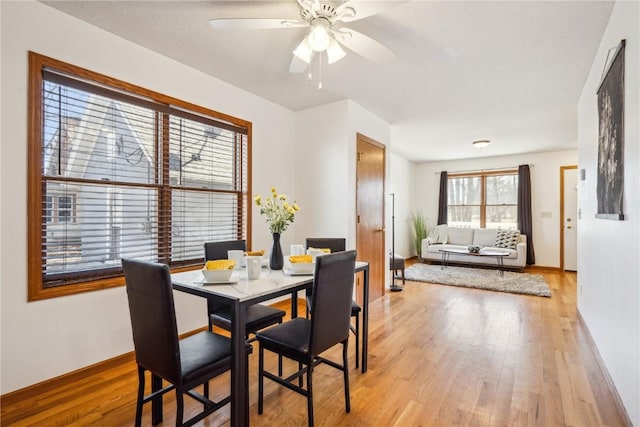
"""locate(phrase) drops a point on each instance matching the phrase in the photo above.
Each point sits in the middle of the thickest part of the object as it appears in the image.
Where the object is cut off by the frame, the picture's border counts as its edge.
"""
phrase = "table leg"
(445, 260)
(365, 318)
(239, 368)
(501, 265)
(294, 305)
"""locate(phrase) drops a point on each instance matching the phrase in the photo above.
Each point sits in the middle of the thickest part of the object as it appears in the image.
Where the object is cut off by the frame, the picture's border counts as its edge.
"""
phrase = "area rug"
(518, 283)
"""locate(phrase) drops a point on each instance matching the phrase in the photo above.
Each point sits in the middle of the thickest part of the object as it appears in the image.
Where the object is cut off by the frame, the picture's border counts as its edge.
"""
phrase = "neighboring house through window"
(118, 171)
(483, 200)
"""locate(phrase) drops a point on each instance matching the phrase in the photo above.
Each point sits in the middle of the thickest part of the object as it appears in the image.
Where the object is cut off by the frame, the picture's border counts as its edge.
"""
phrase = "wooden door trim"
(361, 137)
(563, 169)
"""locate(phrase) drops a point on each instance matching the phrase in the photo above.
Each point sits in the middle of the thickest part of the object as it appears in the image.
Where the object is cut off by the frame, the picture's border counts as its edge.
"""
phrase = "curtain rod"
(482, 170)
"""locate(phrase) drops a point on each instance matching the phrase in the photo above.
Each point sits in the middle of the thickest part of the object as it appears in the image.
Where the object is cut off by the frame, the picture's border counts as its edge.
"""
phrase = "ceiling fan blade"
(364, 8)
(364, 45)
(254, 23)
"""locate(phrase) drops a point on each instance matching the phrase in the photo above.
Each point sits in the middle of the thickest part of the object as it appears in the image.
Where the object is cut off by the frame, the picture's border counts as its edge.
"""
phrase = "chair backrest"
(336, 244)
(218, 250)
(331, 300)
(153, 318)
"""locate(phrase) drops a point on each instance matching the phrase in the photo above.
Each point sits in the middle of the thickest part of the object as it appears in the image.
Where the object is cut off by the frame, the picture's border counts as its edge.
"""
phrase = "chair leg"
(280, 360)
(300, 377)
(141, 381)
(345, 361)
(310, 393)
(179, 406)
(357, 334)
(403, 275)
(260, 378)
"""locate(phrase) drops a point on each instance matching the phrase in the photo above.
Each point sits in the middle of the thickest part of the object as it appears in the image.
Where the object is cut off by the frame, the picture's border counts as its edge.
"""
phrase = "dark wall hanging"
(610, 183)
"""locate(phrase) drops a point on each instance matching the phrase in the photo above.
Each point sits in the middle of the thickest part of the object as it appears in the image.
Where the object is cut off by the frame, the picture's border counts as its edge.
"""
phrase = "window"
(486, 200)
(59, 208)
(118, 171)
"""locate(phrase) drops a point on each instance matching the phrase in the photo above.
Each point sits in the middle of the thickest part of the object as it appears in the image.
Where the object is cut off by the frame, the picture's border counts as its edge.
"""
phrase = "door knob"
(380, 229)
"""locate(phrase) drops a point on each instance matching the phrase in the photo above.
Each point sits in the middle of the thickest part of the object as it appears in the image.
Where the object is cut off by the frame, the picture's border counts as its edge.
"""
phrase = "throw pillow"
(507, 239)
(438, 234)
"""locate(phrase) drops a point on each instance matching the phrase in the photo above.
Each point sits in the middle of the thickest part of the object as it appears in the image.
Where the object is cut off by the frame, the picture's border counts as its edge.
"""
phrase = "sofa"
(443, 237)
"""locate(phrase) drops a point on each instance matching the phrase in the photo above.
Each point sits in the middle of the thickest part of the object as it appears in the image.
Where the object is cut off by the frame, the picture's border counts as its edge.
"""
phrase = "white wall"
(322, 170)
(545, 193)
(325, 168)
(402, 183)
(43, 339)
(609, 254)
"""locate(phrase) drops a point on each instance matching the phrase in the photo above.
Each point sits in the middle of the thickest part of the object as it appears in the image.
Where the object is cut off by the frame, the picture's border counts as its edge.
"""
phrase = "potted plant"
(418, 231)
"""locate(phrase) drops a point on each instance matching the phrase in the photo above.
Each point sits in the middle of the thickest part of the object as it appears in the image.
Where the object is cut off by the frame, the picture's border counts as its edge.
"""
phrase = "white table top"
(241, 288)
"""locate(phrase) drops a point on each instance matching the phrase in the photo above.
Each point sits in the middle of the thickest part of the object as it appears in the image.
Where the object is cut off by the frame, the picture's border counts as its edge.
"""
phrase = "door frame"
(562, 171)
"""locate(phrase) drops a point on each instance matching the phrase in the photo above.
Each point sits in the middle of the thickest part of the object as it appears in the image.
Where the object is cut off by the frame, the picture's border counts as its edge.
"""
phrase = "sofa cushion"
(459, 236)
(507, 238)
(484, 237)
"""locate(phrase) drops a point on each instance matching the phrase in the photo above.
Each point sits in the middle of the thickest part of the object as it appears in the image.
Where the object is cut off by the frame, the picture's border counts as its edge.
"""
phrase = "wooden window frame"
(36, 208)
(483, 190)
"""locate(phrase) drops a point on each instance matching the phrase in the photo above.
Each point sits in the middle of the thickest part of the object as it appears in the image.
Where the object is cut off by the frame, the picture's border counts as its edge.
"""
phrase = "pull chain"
(319, 70)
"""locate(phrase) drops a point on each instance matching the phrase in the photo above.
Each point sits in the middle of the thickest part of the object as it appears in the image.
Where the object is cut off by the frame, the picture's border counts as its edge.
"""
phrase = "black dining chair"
(259, 316)
(337, 244)
(184, 363)
(303, 340)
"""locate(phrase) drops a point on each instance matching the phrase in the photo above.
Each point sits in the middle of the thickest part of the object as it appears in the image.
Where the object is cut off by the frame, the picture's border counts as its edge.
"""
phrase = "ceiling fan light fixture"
(481, 143)
(319, 37)
(334, 52)
(304, 51)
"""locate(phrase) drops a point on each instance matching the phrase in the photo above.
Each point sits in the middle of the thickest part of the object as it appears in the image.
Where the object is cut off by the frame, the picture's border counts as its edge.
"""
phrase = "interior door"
(370, 231)
(569, 226)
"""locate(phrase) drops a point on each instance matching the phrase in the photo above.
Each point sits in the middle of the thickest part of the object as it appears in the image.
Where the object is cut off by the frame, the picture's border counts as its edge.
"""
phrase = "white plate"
(219, 282)
(289, 272)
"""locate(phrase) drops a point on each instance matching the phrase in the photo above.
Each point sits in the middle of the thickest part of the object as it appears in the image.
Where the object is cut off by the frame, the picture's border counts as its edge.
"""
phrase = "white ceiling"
(508, 71)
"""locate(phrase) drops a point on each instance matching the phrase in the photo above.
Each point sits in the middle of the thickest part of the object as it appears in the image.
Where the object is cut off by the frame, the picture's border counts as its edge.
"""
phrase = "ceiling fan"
(327, 33)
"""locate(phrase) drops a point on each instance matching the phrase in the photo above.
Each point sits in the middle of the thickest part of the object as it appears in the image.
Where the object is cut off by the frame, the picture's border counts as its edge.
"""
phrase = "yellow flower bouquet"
(278, 212)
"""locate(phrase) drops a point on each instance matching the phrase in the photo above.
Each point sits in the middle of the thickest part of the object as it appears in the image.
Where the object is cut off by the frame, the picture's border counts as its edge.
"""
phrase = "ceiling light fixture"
(304, 51)
(319, 39)
(482, 143)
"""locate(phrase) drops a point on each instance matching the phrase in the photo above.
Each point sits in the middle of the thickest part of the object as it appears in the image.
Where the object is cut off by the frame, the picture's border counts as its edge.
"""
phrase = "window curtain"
(525, 223)
(443, 199)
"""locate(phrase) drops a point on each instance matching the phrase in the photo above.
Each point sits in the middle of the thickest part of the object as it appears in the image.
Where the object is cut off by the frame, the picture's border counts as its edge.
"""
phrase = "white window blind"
(125, 176)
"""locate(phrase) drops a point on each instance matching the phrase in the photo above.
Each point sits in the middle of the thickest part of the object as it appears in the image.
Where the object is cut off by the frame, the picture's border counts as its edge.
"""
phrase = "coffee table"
(499, 255)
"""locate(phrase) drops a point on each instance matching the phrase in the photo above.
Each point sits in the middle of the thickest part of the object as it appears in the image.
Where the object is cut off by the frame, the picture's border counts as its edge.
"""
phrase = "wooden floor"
(439, 356)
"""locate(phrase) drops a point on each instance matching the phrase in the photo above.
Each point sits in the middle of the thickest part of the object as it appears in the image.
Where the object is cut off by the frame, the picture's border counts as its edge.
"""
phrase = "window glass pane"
(201, 156)
(89, 136)
(110, 223)
(48, 208)
(502, 189)
(464, 191)
(503, 217)
(200, 217)
(463, 216)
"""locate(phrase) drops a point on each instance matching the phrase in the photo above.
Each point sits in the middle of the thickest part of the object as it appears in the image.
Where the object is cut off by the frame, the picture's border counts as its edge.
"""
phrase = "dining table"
(240, 292)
